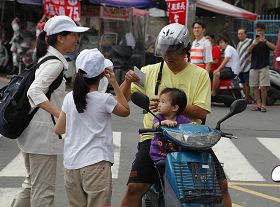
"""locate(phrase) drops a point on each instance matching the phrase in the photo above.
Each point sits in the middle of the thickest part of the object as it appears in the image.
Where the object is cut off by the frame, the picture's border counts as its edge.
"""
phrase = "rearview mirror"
(236, 107)
(275, 175)
(141, 100)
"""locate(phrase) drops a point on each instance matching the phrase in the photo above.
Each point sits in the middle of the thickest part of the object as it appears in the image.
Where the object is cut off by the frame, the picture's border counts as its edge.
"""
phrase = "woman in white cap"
(38, 143)
(86, 121)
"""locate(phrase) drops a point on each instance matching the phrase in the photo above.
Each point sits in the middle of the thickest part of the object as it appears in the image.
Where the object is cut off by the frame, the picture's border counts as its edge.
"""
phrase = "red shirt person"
(216, 53)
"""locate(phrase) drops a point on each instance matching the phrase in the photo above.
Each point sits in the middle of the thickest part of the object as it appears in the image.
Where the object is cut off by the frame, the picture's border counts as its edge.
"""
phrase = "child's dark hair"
(178, 97)
(43, 41)
(81, 88)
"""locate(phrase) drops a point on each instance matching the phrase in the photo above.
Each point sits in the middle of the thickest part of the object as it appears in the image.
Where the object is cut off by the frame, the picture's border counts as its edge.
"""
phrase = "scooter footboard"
(192, 176)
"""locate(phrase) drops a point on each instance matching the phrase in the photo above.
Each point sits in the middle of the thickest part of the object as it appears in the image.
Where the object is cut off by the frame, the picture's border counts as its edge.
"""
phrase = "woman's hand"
(169, 123)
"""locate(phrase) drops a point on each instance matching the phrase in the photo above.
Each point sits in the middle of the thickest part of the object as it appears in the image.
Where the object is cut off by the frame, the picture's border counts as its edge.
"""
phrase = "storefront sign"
(69, 8)
(177, 10)
(115, 13)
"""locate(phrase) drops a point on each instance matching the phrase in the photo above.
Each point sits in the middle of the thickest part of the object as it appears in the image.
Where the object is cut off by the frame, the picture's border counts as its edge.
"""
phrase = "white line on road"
(236, 166)
(7, 195)
(15, 168)
(272, 144)
(117, 153)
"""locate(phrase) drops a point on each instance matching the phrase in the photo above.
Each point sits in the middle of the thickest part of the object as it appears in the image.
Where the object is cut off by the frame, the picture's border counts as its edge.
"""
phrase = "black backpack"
(15, 109)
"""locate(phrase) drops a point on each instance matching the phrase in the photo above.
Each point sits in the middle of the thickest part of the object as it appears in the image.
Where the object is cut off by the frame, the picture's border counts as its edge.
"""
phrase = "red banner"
(71, 8)
(177, 10)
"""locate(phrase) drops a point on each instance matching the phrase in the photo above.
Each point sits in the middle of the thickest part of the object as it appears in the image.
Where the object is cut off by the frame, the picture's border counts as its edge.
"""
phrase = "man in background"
(201, 51)
(245, 62)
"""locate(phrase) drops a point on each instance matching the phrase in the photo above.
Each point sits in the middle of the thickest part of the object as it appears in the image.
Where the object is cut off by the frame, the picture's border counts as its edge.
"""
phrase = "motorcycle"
(273, 92)
(189, 178)
(229, 90)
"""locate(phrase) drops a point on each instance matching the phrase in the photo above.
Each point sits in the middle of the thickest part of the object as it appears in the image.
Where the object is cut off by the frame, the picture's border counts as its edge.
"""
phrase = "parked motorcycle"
(273, 92)
(189, 175)
(229, 90)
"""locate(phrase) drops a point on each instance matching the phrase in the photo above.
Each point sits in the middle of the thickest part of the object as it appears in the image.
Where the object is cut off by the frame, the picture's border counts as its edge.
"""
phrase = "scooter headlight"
(194, 140)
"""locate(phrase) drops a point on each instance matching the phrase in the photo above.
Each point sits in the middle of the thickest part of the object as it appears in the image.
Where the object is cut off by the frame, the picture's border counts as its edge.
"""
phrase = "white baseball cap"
(92, 62)
(62, 23)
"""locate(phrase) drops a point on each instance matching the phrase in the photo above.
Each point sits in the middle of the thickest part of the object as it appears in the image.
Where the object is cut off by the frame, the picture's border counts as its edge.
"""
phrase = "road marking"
(236, 166)
(16, 167)
(236, 205)
(7, 195)
(117, 153)
(256, 184)
(255, 193)
(272, 144)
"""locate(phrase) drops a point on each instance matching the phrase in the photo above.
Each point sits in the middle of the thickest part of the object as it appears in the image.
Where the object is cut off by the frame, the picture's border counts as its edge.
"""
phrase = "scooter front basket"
(193, 178)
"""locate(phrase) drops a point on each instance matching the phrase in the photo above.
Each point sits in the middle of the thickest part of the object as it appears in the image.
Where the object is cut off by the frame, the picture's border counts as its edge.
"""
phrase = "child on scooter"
(86, 121)
(172, 103)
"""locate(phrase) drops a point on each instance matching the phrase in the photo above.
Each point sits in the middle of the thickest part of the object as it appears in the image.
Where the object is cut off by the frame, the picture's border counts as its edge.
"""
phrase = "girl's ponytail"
(80, 90)
(42, 46)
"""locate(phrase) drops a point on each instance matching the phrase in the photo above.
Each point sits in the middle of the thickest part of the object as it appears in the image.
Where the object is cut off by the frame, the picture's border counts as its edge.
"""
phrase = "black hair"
(223, 39)
(81, 88)
(243, 28)
(42, 43)
(210, 35)
(260, 25)
(199, 23)
(178, 97)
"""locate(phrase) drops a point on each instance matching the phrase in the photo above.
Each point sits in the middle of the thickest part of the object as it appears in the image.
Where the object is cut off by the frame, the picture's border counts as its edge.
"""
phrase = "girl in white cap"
(38, 143)
(86, 121)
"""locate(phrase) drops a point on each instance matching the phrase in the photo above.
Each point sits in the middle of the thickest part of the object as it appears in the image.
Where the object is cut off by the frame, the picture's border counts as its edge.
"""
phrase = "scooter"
(189, 178)
(229, 90)
(273, 92)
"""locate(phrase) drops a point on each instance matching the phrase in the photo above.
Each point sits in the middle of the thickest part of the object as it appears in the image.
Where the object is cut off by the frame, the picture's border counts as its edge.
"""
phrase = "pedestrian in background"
(86, 121)
(216, 54)
(38, 143)
(230, 66)
(201, 51)
(245, 61)
(259, 71)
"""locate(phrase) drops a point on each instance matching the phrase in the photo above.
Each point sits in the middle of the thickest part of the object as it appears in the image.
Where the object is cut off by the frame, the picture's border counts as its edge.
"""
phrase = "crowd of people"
(249, 61)
(179, 89)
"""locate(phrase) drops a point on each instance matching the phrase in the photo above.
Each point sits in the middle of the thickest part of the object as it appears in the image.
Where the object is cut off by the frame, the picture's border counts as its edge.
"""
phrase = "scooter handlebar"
(228, 135)
(144, 131)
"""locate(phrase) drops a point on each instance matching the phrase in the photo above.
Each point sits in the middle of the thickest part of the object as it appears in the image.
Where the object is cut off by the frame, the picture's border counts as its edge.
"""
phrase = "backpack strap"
(55, 84)
(159, 77)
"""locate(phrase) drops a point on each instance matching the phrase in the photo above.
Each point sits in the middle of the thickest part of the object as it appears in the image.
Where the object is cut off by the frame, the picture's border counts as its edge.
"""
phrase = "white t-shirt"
(233, 62)
(89, 136)
(201, 51)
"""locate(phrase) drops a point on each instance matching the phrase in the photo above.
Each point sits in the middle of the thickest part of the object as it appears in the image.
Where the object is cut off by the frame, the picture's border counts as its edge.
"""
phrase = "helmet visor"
(165, 49)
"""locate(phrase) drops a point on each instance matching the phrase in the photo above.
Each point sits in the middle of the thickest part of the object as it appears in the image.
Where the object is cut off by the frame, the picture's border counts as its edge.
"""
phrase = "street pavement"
(248, 160)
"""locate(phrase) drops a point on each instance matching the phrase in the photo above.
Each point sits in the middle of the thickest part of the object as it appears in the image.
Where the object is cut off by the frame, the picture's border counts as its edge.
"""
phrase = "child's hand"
(110, 75)
(169, 123)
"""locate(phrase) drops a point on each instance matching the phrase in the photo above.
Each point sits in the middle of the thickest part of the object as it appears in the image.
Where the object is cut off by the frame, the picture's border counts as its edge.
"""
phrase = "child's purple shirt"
(160, 147)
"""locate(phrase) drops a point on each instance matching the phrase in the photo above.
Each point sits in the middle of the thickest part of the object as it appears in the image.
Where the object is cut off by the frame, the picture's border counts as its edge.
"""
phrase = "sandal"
(256, 108)
(263, 109)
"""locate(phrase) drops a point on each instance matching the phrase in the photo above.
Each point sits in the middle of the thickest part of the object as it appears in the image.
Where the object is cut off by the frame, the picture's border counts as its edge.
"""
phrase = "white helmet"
(171, 38)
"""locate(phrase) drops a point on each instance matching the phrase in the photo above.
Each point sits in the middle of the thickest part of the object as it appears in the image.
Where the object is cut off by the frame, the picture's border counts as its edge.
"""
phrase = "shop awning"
(126, 3)
(222, 7)
(39, 2)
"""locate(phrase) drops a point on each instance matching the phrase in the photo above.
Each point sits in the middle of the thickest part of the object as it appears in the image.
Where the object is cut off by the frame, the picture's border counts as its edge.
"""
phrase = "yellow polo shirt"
(193, 80)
